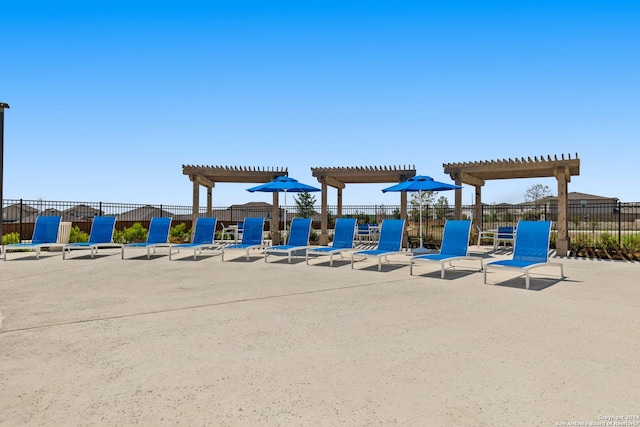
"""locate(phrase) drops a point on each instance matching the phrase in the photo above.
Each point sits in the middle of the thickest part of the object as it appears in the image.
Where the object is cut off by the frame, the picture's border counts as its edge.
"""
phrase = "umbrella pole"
(420, 196)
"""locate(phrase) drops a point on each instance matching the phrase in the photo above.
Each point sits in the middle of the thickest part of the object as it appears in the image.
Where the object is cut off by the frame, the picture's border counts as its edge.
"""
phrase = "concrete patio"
(158, 342)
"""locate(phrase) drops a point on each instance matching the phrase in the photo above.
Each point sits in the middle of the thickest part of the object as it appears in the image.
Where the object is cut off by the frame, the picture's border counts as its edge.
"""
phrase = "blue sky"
(109, 99)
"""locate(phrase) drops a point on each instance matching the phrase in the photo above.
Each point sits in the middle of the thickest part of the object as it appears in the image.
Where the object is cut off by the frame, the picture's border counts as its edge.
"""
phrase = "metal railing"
(587, 222)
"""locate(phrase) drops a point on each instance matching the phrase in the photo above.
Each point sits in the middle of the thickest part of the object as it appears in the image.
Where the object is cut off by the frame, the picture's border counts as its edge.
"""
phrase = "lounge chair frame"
(530, 251)
(203, 238)
(100, 236)
(455, 247)
(390, 242)
(45, 235)
(343, 237)
(297, 241)
(251, 237)
(158, 236)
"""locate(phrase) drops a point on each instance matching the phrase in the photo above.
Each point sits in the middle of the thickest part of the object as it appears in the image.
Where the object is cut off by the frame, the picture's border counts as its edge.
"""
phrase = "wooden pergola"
(476, 173)
(338, 177)
(207, 176)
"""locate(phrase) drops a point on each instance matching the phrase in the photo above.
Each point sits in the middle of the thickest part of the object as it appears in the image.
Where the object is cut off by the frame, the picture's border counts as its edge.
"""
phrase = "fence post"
(160, 211)
(619, 223)
(20, 223)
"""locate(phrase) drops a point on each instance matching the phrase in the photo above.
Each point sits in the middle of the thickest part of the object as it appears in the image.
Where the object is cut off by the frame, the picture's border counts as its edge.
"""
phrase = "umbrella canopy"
(285, 185)
(421, 183)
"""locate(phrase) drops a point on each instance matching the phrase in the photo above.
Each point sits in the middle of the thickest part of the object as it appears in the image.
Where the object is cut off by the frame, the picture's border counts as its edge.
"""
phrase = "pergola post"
(477, 216)
(195, 201)
(403, 215)
(275, 220)
(339, 202)
(458, 197)
(324, 235)
(563, 240)
(209, 202)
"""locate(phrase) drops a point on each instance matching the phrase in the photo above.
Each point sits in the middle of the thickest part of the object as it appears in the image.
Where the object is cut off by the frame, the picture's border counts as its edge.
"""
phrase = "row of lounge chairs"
(531, 246)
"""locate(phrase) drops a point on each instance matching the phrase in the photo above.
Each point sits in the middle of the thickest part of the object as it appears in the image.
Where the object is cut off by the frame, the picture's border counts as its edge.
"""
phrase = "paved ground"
(158, 342)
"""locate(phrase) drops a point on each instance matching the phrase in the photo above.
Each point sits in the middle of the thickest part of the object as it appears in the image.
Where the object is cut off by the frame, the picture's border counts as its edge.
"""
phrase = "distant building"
(581, 207)
(144, 213)
(12, 212)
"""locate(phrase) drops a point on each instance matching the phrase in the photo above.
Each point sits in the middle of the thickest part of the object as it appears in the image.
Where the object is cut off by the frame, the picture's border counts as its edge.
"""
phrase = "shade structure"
(284, 184)
(421, 183)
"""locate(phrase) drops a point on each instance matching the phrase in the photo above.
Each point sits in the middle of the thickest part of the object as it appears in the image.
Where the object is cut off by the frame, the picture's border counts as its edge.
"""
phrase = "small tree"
(426, 197)
(535, 194)
(304, 204)
(441, 207)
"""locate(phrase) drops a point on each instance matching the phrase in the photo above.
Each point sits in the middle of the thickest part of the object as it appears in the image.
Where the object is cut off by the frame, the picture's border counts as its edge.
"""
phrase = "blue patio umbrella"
(421, 183)
(284, 184)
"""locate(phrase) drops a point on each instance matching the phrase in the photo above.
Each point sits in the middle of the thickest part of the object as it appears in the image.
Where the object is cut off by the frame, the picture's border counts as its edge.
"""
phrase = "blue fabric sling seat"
(390, 242)
(251, 237)
(157, 237)
(298, 241)
(345, 230)
(531, 250)
(45, 235)
(203, 238)
(455, 246)
(100, 236)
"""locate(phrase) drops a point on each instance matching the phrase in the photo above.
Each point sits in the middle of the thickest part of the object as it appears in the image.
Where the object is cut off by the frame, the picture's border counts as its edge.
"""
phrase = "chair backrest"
(46, 229)
(391, 235)
(102, 229)
(455, 240)
(344, 233)
(252, 231)
(205, 231)
(505, 232)
(159, 230)
(363, 229)
(300, 231)
(532, 241)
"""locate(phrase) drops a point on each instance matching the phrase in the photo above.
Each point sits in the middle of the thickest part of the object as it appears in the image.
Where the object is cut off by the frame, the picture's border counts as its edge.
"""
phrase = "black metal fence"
(588, 223)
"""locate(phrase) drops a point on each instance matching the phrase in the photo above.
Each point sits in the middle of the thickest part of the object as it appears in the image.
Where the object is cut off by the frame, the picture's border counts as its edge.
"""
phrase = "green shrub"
(11, 238)
(631, 242)
(580, 242)
(135, 233)
(78, 235)
(606, 242)
(180, 232)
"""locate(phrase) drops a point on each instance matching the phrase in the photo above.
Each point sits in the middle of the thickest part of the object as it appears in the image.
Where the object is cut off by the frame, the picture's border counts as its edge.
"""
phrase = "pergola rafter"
(477, 173)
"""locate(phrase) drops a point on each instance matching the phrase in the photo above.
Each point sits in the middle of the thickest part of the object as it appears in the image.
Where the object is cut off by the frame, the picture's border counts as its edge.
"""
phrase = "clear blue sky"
(109, 99)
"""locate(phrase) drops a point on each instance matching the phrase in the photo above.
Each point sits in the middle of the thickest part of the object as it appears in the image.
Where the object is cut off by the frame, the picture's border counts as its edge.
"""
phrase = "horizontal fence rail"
(617, 223)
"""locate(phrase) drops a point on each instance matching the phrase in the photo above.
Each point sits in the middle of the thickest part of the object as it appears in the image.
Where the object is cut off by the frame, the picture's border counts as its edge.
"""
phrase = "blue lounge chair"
(100, 236)
(298, 240)
(342, 240)
(390, 242)
(531, 250)
(251, 237)
(45, 235)
(506, 234)
(455, 246)
(203, 238)
(157, 237)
